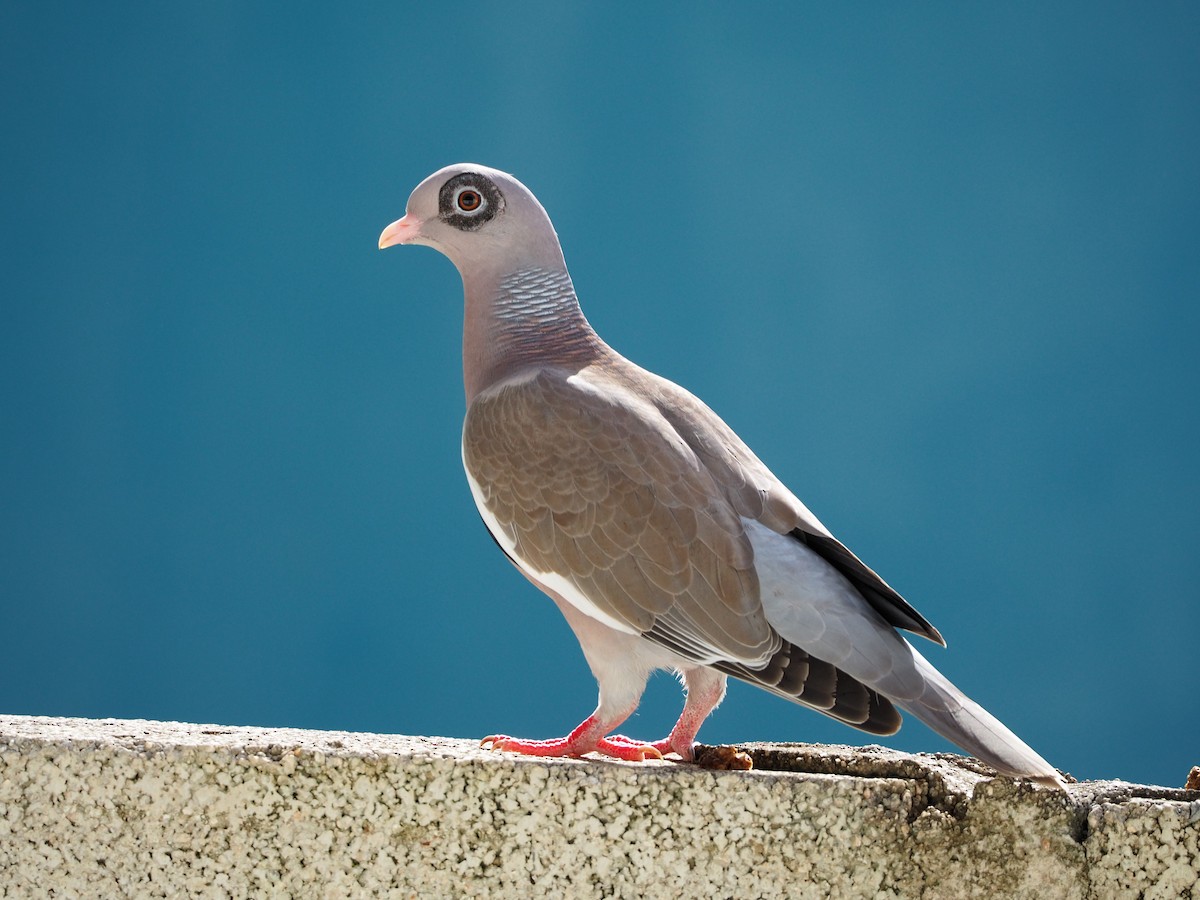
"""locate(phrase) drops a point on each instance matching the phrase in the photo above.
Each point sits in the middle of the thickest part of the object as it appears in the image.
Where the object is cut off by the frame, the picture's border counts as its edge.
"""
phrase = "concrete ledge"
(153, 809)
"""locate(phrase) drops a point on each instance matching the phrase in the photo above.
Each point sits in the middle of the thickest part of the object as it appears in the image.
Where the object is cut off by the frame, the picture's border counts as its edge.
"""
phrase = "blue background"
(938, 265)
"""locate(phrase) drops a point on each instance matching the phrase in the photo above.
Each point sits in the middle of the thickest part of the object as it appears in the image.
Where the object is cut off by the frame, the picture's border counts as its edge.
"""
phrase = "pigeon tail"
(958, 718)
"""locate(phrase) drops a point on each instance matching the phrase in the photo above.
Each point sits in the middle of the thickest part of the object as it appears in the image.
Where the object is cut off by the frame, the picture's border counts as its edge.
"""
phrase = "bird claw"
(663, 747)
(628, 749)
(507, 744)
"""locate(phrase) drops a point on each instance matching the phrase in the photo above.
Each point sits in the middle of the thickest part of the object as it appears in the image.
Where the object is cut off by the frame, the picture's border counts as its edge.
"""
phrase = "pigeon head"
(484, 220)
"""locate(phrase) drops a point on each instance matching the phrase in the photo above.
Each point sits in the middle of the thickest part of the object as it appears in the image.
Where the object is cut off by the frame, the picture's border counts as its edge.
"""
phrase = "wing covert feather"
(598, 487)
(758, 494)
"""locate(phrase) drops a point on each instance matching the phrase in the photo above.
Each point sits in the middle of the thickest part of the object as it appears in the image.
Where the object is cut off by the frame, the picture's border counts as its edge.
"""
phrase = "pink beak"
(400, 232)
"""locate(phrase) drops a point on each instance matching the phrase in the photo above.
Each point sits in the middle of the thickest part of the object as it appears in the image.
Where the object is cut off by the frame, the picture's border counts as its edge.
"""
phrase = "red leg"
(705, 690)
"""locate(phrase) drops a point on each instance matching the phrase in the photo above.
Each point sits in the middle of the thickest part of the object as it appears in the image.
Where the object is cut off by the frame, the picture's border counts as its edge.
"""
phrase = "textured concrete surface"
(151, 809)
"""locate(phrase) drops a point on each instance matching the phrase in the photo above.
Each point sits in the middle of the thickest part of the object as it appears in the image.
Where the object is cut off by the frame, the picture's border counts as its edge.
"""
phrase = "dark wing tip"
(897, 611)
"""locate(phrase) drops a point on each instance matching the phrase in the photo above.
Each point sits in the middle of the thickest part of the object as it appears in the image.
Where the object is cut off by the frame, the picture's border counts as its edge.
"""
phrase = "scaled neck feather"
(528, 317)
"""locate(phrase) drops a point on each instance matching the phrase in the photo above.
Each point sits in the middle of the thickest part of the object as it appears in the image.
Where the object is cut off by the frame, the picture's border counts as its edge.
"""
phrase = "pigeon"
(660, 536)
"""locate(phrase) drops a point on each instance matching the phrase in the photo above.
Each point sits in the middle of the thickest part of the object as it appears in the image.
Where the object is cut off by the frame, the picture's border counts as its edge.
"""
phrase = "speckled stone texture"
(150, 809)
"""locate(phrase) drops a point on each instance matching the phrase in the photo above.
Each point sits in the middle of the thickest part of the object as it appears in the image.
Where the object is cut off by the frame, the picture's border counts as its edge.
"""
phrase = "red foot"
(617, 746)
(685, 750)
(635, 751)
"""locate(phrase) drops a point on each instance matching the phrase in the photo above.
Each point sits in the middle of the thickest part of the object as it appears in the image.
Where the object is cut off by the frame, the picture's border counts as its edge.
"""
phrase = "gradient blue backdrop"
(938, 265)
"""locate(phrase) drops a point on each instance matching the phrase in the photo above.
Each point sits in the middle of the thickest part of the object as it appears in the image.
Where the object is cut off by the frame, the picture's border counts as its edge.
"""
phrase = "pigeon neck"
(530, 316)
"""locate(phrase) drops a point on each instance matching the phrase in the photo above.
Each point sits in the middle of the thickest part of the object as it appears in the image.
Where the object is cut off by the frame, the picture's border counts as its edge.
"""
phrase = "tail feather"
(958, 718)
(854, 665)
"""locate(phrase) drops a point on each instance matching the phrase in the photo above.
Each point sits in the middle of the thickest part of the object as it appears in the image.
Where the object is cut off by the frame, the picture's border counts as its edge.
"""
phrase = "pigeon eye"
(468, 200)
